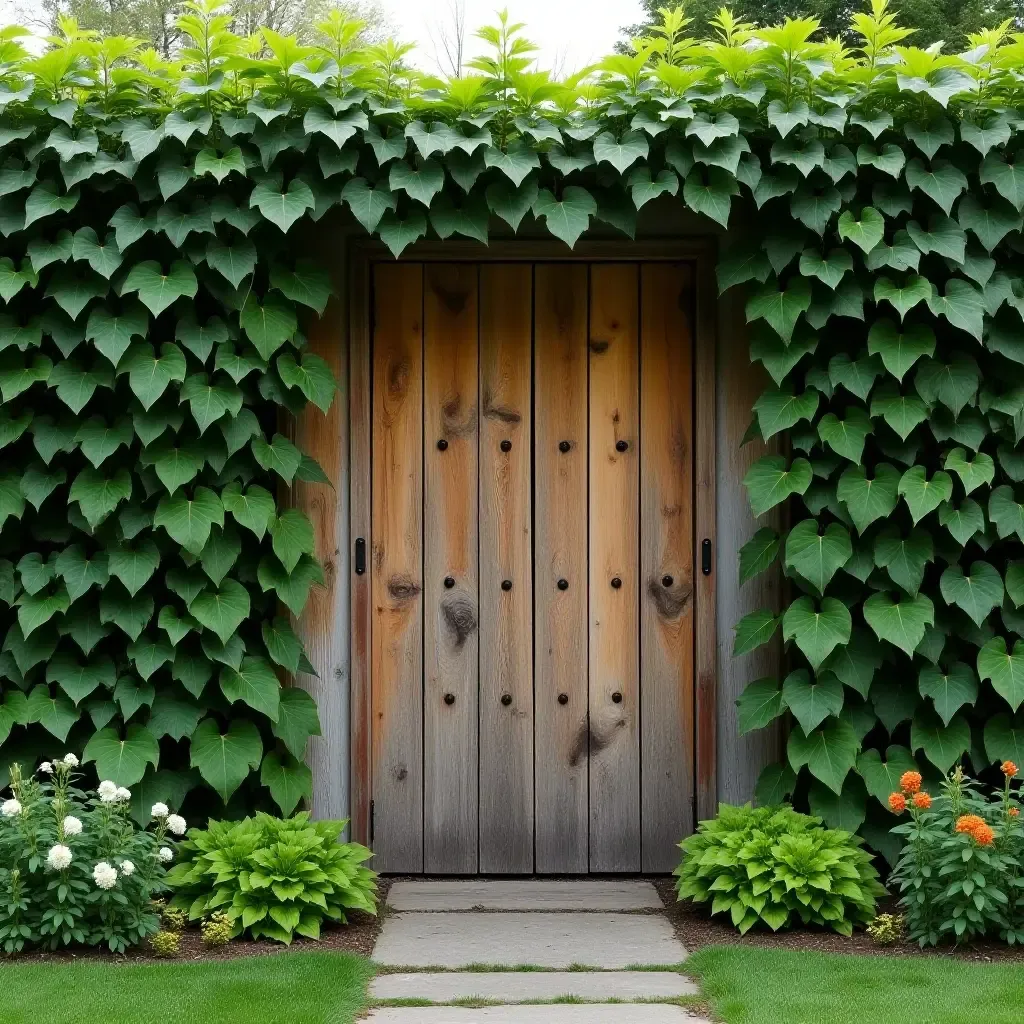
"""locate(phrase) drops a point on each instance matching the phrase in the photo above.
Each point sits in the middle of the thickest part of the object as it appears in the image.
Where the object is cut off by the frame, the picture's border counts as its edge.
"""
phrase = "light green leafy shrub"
(773, 865)
(217, 929)
(275, 878)
(166, 944)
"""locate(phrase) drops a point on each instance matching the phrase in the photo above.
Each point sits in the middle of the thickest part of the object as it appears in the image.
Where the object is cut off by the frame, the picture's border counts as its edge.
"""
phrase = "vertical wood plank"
(323, 625)
(506, 557)
(560, 552)
(614, 554)
(360, 408)
(397, 561)
(666, 562)
(451, 635)
(705, 373)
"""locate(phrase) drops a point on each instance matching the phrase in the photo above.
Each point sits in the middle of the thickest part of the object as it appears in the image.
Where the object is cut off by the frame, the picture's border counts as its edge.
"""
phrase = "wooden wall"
(325, 623)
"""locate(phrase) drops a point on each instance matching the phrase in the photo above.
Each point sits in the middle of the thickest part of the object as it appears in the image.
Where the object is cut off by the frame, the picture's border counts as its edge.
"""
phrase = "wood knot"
(671, 601)
(459, 615)
(403, 587)
(599, 346)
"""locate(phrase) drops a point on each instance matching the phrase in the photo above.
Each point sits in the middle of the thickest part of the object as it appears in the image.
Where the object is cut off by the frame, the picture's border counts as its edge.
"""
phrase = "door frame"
(702, 251)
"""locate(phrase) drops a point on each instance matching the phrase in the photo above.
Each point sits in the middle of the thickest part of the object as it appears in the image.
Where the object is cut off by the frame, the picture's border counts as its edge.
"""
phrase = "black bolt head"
(621, 446)
(506, 446)
(506, 584)
(563, 698)
(506, 699)
(449, 582)
(666, 581)
(564, 446)
(563, 584)
(442, 445)
(616, 697)
(449, 699)
(616, 582)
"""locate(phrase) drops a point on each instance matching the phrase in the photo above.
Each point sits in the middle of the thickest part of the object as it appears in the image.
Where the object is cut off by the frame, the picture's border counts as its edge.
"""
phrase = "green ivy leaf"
(754, 630)
(254, 683)
(282, 208)
(815, 556)
(762, 550)
(780, 309)
(293, 589)
(122, 760)
(883, 777)
(949, 691)
(846, 437)
(156, 289)
(900, 350)
(812, 701)
(297, 720)
(778, 410)
(569, 218)
(901, 624)
(868, 499)
(924, 495)
(188, 521)
(134, 566)
(903, 298)
(288, 780)
(223, 610)
(943, 744)
(962, 305)
(1003, 669)
(510, 202)
(904, 558)
(760, 704)
(816, 631)
(292, 537)
(421, 185)
(1004, 739)
(709, 191)
(977, 594)
(399, 233)
(830, 752)
(252, 508)
(224, 760)
(865, 233)
(623, 152)
(112, 333)
(55, 714)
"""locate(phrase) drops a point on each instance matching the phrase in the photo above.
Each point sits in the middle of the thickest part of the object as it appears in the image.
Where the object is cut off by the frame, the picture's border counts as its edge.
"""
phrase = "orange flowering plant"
(961, 872)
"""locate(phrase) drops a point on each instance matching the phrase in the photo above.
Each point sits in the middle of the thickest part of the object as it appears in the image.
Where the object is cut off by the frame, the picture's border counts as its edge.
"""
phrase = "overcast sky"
(570, 33)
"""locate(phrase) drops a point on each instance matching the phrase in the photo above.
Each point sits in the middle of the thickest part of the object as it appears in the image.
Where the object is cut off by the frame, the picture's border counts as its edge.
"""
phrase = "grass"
(286, 988)
(755, 986)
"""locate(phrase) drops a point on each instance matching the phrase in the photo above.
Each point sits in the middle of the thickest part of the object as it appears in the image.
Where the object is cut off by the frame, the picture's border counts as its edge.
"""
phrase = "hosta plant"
(774, 866)
(273, 877)
(961, 872)
(75, 869)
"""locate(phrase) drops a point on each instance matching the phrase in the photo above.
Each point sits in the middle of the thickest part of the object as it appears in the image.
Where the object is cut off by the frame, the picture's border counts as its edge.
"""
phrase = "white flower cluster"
(127, 868)
(111, 793)
(46, 768)
(160, 811)
(59, 857)
(10, 808)
(104, 875)
(71, 761)
(166, 854)
(176, 824)
(72, 826)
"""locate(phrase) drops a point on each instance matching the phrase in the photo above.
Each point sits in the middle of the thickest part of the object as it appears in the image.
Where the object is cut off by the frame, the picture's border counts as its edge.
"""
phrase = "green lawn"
(286, 988)
(760, 986)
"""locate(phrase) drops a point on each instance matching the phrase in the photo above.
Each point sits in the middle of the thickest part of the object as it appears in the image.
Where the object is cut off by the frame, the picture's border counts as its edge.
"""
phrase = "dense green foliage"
(774, 866)
(75, 869)
(154, 288)
(959, 882)
(748, 985)
(273, 878)
(298, 987)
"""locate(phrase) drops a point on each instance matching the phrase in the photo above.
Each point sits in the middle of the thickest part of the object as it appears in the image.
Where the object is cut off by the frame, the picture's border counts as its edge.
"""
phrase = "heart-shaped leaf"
(901, 624)
(817, 631)
(224, 760)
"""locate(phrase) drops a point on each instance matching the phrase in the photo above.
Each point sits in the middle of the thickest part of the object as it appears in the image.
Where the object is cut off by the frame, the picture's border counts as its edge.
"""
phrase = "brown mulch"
(696, 929)
(358, 936)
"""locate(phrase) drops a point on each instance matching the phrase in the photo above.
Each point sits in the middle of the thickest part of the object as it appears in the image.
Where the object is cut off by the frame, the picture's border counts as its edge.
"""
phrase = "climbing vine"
(154, 289)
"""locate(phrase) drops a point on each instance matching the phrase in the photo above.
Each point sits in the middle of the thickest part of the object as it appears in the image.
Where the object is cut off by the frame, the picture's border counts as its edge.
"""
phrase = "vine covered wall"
(153, 290)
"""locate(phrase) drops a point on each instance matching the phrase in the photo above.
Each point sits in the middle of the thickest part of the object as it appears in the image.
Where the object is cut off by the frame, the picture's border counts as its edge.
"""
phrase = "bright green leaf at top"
(158, 290)
(866, 232)
(817, 631)
(902, 624)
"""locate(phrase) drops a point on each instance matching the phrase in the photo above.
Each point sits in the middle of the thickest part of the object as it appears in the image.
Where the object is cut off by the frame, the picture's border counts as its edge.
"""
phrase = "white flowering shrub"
(75, 868)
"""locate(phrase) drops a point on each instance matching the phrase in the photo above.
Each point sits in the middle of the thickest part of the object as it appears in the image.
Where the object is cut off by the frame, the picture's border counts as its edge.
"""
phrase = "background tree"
(948, 20)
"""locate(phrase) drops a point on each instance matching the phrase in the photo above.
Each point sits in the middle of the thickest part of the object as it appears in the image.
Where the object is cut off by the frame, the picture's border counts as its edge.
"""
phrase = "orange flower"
(910, 782)
(1014, 812)
(922, 801)
(1009, 769)
(970, 823)
(897, 803)
(983, 835)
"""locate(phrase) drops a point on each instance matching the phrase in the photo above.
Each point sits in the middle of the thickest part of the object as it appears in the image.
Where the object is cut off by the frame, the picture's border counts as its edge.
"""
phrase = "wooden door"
(532, 629)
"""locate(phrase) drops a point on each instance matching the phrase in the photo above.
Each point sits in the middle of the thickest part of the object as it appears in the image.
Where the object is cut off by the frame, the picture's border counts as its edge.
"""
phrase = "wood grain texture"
(360, 399)
(322, 627)
(396, 565)
(740, 758)
(506, 554)
(666, 562)
(560, 552)
(705, 512)
(451, 615)
(614, 552)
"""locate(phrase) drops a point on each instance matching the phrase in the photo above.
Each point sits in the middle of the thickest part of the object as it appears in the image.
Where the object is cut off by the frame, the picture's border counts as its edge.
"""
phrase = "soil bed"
(358, 936)
(696, 929)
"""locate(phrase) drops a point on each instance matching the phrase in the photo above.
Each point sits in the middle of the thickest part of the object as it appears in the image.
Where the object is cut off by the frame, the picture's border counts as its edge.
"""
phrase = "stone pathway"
(475, 942)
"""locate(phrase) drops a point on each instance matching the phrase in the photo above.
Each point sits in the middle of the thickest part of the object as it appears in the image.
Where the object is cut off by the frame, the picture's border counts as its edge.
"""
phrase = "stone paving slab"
(608, 941)
(564, 1013)
(525, 894)
(525, 986)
